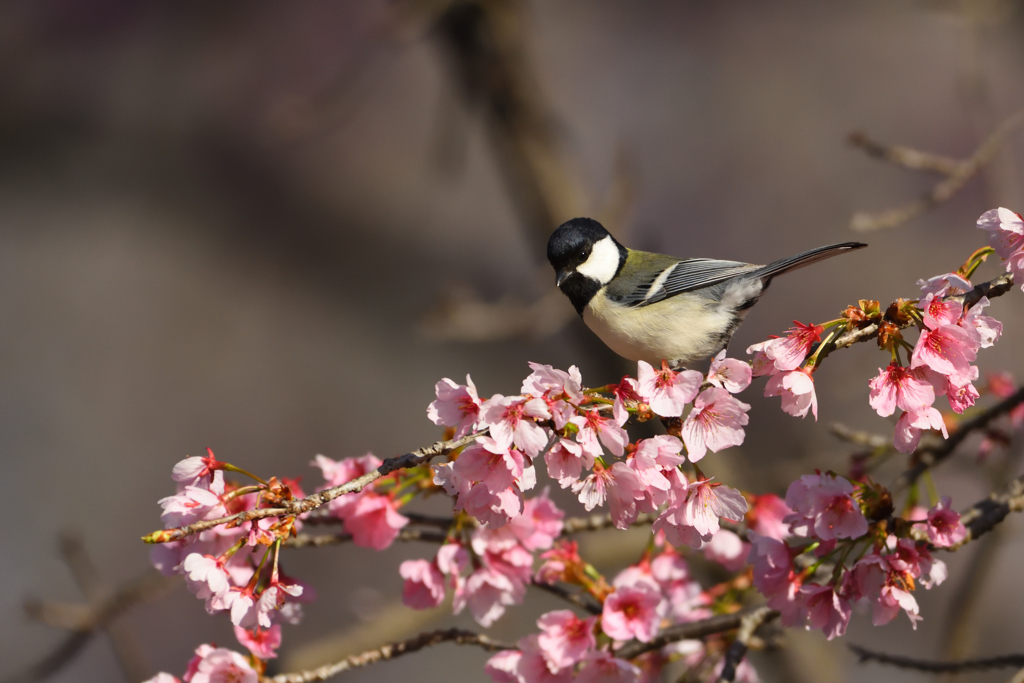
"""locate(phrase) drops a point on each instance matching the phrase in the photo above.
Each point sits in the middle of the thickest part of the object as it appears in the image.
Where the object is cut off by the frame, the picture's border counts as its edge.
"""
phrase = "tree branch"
(956, 176)
(865, 655)
(577, 599)
(692, 630)
(984, 515)
(929, 456)
(390, 651)
(317, 541)
(314, 501)
(749, 623)
(89, 622)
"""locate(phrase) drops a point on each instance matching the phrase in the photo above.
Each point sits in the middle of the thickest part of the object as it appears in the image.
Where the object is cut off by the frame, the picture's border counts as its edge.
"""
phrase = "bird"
(653, 307)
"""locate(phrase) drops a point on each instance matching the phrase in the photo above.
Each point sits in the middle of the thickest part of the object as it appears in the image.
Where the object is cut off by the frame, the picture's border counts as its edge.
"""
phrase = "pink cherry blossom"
(532, 666)
(193, 504)
(503, 667)
(273, 598)
(941, 285)
(988, 328)
(596, 429)
(731, 374)
(708, 501)
(790, 351)
(663, 451)
(602, 667)
(374, 522)
(666, 391)
(566, 460)
(944, 526)
(1005, 230)
(824, 508)
(487, 592)
(625, 392)
(826, 609)
(540, 524)
(565, 639)
(457, 405)
(947, 349)
(493, 510)
(773, 566)
(198, 470)
(452, 558)
(898, 386)
(960, 390)
(491, 463)
(716, 422)
(631, 612)
(892, 598)
(911, 424)
(937, 312)
(205, 576)
(766, 516)
(1015, 265)
(510, 420)
(217, 665)
(727, 549)
(619, 485)
(261, 642)
(424, 584)
(761, 364)
(547, 381)
(337, 472)
(796, 388)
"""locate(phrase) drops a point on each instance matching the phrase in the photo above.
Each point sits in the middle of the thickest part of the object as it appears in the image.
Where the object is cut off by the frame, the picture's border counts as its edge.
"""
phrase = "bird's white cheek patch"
(603, 261)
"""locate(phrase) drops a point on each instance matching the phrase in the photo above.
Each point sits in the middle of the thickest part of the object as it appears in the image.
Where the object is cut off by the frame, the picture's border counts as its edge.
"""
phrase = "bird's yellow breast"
(681, 328)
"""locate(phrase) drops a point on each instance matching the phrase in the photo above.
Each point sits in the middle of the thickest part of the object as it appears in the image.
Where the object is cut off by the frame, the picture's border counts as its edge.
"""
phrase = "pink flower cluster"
(827, 513)
(1006, 236)
(213, 665)
(939, 365)
(372, 518)
(781, 359)
(554, 416)
(643, 597)
(501, 561)
(224, 566)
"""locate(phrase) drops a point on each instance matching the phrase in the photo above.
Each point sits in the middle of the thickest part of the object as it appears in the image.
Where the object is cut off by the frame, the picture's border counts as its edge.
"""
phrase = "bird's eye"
(585, 254)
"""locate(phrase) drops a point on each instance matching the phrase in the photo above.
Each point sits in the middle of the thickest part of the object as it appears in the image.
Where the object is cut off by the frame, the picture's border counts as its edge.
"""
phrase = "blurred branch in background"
(865, 655)
(957, 172)
(484, 45)
(101, 612)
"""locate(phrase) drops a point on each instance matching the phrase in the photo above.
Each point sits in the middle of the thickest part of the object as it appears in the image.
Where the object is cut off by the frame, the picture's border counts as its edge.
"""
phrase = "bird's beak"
(562, 275)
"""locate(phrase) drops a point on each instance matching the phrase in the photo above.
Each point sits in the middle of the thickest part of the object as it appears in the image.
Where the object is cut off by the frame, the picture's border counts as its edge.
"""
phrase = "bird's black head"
(585, 257)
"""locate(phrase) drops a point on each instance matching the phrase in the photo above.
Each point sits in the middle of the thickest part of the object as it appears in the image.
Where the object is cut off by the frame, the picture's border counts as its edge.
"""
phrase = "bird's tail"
(805, 259)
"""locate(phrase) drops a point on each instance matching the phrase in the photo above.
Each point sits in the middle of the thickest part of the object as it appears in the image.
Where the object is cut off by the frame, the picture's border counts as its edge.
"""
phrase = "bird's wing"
(681, 276)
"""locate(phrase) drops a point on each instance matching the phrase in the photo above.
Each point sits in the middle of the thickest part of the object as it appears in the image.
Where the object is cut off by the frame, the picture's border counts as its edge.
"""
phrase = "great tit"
(654, 307)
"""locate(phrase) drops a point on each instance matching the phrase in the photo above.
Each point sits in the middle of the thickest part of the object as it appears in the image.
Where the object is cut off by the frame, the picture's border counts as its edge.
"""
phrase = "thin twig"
(914, 159)
(692, 630)
(929, 456)
(390, 651)
(749, 623)
(98, 617)
(859, 438)
(1005, 661)
(312, 502)
(575, 525)
(993, 288)
(956, 178)
(318, 541)
(984, 515)
(578, 599)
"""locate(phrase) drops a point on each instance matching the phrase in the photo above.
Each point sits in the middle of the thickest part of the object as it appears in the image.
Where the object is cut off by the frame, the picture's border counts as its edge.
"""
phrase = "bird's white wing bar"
(659, 282)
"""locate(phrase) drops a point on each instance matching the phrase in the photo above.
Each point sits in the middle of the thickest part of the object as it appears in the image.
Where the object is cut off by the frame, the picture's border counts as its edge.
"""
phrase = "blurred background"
(271, 228)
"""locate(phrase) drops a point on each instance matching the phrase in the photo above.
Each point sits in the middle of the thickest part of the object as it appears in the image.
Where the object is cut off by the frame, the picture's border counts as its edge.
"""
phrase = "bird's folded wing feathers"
(682, 276)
